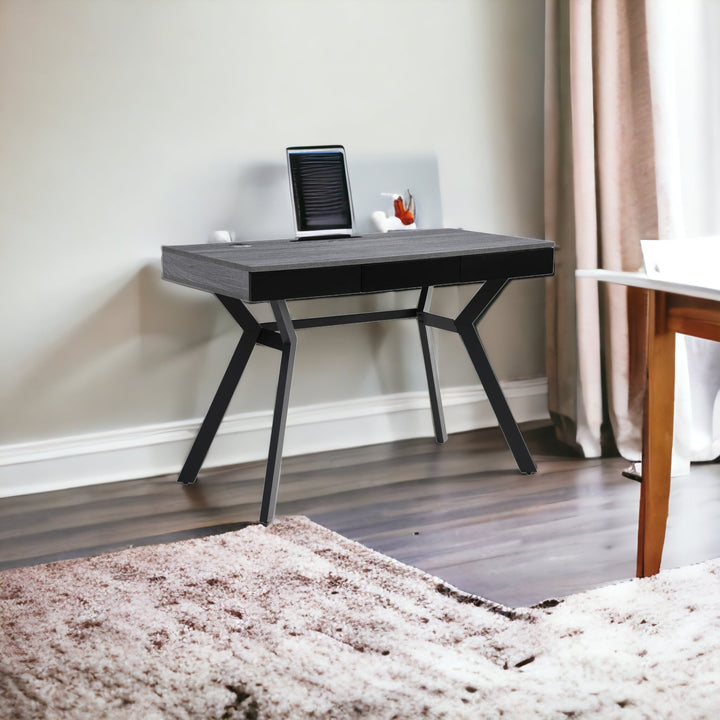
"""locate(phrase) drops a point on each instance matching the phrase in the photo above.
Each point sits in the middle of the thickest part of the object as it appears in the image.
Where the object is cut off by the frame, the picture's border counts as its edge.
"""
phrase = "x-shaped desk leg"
(465, 324)
(428, 351)
(277, 435)
(281, 336)
(284, 340)
(224, 393)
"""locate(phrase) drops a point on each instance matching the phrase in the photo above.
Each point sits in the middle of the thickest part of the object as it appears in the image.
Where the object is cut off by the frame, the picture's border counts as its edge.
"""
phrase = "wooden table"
(279, 270)
(673, 308)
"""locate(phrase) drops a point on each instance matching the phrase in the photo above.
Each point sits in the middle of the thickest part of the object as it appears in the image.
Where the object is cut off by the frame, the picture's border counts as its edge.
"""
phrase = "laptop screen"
(320, 191)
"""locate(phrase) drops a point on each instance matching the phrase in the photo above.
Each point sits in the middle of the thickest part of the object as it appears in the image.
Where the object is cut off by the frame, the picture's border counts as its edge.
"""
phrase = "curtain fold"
(600, 201)
(614, 175)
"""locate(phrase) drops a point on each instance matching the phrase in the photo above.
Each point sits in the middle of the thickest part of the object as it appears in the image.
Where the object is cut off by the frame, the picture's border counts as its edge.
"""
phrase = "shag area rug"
(294, 621)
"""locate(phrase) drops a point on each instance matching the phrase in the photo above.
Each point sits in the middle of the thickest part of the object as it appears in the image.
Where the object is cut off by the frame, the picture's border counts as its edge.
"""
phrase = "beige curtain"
(601, 198)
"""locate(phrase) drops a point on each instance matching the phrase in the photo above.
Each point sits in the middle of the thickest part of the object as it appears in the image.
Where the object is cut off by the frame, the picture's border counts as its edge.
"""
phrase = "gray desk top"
(274, 269)
(402, 245)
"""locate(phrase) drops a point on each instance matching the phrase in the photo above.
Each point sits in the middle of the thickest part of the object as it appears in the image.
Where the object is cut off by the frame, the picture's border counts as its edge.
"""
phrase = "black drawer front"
(523, 263)
(410, 274)
(313, 282)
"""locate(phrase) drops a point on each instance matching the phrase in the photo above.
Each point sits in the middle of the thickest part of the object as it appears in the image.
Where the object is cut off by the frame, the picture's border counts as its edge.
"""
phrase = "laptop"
(320, 188)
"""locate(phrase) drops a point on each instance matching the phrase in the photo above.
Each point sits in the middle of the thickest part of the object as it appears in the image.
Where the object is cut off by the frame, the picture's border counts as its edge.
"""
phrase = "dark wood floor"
(460, 511)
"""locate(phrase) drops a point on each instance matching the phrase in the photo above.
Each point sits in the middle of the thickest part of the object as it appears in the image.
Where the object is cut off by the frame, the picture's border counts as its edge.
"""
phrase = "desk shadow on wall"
(71, 379)
(191, 331)
(133, 358)
(261, 207)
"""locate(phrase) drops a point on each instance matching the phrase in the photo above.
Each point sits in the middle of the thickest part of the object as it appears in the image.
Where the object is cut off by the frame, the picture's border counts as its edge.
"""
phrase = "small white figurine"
(404, 218)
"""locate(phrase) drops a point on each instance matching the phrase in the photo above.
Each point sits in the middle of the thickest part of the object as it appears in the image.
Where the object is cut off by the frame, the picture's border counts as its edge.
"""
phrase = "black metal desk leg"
(219, 405)
(428, 351)
(465, 324)
(277, 435)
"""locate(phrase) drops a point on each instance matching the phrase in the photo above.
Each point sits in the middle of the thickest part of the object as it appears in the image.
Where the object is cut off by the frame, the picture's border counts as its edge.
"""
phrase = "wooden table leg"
(657, 437)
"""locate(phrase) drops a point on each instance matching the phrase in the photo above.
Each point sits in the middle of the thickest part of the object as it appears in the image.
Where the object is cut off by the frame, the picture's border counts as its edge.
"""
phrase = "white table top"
(642, 280)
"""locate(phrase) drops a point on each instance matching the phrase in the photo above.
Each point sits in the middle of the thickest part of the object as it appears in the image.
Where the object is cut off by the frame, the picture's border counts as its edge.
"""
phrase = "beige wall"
(122, 125)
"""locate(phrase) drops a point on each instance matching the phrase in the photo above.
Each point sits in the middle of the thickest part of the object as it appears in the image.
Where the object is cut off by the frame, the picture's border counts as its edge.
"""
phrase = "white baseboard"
(161, 449)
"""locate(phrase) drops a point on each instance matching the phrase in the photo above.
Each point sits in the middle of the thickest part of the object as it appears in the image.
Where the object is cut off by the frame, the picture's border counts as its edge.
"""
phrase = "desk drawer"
(410, 274)
(523, 263)
(313, 282)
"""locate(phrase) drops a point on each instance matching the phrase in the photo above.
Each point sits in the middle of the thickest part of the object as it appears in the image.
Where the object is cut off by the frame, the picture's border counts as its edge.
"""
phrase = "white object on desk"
(384, 223)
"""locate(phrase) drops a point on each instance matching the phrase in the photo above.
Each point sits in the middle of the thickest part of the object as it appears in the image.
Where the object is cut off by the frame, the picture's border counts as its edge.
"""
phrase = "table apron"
(693, 316)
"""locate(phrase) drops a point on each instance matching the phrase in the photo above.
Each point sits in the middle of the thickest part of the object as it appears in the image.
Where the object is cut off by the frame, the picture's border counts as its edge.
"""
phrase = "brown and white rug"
(294, 621)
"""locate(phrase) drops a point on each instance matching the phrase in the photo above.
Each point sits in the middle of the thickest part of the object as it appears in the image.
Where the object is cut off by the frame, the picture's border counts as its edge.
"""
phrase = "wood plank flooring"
(460, 511)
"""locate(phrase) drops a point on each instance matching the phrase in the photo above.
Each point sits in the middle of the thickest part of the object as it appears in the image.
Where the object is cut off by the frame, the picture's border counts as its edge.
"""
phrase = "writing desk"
(673, 308)
(276, 271)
